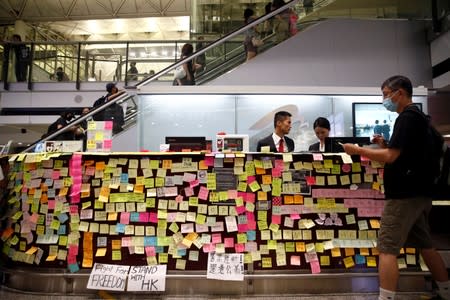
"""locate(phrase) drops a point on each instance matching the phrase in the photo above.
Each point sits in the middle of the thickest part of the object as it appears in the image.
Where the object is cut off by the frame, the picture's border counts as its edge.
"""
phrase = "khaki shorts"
(404, 223)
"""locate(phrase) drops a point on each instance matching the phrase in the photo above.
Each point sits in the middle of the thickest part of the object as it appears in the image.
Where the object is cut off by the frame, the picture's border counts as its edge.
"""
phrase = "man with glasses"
(407, 183)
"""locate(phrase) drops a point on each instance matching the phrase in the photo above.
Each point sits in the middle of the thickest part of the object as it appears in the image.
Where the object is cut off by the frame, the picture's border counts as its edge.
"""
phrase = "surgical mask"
(389, 105)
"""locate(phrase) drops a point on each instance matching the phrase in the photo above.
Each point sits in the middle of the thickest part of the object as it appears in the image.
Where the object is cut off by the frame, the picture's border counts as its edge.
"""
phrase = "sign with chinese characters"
(227, 266)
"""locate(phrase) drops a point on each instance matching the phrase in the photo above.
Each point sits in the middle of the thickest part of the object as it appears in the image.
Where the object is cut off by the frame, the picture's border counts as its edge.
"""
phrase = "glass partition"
(206, 115)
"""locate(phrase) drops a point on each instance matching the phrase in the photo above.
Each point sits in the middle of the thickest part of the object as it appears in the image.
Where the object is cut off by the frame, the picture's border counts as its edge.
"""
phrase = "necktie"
(281, 146)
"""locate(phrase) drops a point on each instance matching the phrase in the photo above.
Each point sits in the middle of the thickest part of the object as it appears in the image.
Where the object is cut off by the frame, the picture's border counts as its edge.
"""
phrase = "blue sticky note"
(134, 217)
(120, 228)
(251, 235)
(63, 217)
(62, 229)
(73, 268)
(124, 178)
(181, 252)
(359, 259)
(159, 249)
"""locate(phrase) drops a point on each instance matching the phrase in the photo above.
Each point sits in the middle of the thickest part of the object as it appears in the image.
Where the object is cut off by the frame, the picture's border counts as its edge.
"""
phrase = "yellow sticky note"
(371, 261)
(116, 255)
(100, 252)
(336, 252)
(325, 260)
(349, 262)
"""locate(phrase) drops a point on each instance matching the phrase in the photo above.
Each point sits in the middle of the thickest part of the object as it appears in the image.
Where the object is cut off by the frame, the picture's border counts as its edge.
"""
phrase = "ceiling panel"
(52, 10)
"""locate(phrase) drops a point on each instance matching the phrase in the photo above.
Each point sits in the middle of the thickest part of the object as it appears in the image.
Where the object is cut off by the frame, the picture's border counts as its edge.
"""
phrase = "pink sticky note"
(276, 172)
(346, 168)
(75, 198)
(51, 204)
(315, 267)
(153, 217)
(73, 209)
(194, 183)
(250, 216)
(71, 259)
(250, 197)
(251, 225)
(203, 193)
(108, 125)
(150, 251)
(55, 174)
(143, 217)
(276, 219)
(295, 260)
(232, 194)
(250, 179)
(240, 209)
(179, 199)
(310, 180)
(107, 144)
(216, 238)
(209, 161)
(279, 164)
(125, 217)
(295, 217)
(73, 250)
(229, 242)
(242, 228)
(239, 248)
(317, 156)
(188, 191)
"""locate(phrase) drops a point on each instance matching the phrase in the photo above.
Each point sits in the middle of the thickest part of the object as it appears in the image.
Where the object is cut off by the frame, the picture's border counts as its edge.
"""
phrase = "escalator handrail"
(214, 44)
(121, 95)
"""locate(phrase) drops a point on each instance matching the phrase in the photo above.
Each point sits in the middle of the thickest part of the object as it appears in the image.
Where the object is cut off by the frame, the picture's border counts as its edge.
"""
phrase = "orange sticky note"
(298, 199)
(116, 244)
(202, 165)
(100, 165)
(262, 195)
(300, 247)
(260, 171)
(349, 251)
(288, 199)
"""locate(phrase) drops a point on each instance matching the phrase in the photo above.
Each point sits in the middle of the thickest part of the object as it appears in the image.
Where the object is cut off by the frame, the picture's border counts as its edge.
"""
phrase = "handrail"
(217, 42)
(121, 95)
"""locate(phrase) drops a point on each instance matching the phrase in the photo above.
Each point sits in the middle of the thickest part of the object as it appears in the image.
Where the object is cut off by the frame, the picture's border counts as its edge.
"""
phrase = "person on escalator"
(282, 22)
(184, 74)
(114, 112)
(251, 40)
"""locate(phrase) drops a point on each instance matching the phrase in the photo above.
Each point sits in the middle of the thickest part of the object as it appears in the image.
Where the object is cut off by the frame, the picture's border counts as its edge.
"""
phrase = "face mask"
(389, 105)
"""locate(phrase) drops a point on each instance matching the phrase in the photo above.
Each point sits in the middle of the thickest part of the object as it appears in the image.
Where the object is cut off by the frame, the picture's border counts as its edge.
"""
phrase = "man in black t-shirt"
(407, 182)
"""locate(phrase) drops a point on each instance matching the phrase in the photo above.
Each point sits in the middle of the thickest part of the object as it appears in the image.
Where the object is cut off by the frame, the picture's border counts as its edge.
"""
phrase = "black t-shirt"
(410, 174)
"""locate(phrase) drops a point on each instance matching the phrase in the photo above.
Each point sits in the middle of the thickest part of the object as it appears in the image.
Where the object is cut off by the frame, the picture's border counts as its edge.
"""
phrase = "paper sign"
(108, 277)
(147, 278)
(225, 266)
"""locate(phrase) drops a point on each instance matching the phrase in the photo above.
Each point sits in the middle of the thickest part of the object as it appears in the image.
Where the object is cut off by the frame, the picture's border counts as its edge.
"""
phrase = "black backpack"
(440, 161)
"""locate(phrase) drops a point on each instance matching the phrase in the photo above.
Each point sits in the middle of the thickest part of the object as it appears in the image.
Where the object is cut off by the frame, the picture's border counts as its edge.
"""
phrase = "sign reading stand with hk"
(140, 278)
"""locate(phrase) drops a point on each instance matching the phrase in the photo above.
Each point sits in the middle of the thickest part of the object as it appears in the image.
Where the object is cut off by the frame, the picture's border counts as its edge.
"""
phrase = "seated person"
(278, 141)
(322, 129)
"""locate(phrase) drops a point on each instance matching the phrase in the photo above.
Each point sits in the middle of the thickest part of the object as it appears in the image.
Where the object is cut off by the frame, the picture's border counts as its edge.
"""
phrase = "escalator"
(228, 52)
